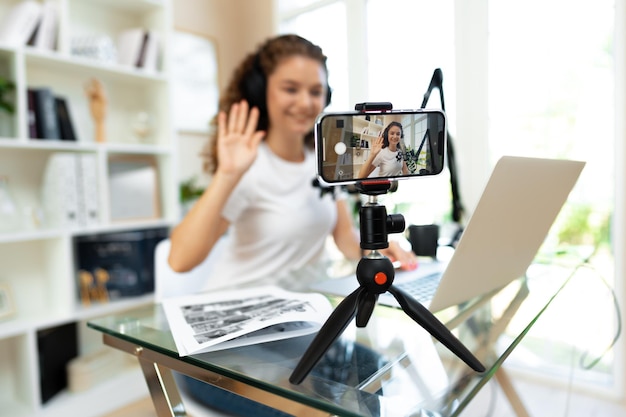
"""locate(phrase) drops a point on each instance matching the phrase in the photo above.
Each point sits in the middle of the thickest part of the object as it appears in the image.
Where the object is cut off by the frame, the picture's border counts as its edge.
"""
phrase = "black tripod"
(375, 274)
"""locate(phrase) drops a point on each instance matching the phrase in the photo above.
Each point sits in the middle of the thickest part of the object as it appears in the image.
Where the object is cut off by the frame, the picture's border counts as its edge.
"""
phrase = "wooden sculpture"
(85, 282)
(102, 277)
(97, 105)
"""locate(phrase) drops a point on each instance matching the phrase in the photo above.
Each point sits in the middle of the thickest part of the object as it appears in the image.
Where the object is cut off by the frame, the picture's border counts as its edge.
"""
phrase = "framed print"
(133, 188)
(195, 88)
(7, 305)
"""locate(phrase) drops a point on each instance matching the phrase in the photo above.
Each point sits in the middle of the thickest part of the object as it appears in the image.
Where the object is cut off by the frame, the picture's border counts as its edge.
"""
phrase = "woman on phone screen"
(386, 154)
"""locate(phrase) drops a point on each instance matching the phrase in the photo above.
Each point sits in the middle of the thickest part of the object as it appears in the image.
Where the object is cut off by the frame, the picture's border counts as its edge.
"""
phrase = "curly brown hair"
(249, 83)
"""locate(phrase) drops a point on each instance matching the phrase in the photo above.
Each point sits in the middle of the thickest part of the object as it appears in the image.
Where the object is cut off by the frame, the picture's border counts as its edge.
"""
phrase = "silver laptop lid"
(512, 218)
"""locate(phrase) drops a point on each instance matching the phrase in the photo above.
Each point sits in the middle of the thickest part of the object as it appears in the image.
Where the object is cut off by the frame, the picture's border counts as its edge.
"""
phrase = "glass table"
(391, 367)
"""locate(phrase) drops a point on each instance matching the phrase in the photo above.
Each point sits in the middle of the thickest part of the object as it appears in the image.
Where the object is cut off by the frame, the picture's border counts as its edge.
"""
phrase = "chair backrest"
(169, 283)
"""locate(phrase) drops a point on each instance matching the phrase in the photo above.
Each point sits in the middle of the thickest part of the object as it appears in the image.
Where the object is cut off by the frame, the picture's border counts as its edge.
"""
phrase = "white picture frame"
(7, 305)
(195, 86)
(133, 188)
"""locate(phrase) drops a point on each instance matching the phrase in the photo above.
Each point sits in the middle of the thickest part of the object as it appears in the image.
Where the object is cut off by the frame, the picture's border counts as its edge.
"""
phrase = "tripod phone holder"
(375, 274)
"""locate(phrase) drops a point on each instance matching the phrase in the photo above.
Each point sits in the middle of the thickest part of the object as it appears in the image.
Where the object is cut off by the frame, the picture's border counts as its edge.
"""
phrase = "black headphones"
(254, 90)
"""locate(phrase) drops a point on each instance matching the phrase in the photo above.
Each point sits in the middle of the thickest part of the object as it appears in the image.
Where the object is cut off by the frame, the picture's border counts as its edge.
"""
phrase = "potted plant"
(7, 108)
(189, 193)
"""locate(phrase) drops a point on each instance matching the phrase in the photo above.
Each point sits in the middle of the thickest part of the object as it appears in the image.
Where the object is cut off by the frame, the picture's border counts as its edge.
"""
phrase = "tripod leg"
(366, 304)
(437, 329)
(330, 331)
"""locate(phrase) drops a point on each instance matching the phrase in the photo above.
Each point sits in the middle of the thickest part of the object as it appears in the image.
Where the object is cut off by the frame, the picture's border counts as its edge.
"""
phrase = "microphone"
(435, 81)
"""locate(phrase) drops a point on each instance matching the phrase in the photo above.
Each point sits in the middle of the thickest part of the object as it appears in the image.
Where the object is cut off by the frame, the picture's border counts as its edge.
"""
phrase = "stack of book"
(49, 116)
(31, 23)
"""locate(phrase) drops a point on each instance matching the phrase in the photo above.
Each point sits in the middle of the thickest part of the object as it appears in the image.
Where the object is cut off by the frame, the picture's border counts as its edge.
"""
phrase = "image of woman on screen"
(386, 154)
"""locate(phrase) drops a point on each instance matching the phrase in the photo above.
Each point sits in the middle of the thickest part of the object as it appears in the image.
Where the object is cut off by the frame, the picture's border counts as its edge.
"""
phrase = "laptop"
(512, 219)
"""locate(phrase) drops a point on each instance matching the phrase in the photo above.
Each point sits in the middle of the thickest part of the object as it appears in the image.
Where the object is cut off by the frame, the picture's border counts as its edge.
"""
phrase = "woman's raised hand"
(237, 138)
(378, 144)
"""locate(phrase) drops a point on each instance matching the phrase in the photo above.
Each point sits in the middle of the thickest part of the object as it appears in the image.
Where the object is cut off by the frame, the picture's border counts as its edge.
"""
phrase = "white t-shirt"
(279, 222)
(389, 162)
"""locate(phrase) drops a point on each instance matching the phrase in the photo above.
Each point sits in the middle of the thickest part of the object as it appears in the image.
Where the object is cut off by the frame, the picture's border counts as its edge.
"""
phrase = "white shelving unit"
(37, 261)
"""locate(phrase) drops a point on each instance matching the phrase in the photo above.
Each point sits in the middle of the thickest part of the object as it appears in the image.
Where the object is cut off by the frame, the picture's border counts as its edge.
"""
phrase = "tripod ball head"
(375, 274)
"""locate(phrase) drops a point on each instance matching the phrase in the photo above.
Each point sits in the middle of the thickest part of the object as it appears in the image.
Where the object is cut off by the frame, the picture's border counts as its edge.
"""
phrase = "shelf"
(77, 146)
(17, 326)
(137, 149)
(129, 386)
(16, 409)
(39, 263)
(22, 236)
(47, 145)
(97, 310)
(31, 235)
(15, 394)
(138, 7)
(74, 65)
(13, 327)
(122, 227)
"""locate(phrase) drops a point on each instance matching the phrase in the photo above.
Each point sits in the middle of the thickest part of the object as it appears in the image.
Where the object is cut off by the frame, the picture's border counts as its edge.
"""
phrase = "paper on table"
(221, 320)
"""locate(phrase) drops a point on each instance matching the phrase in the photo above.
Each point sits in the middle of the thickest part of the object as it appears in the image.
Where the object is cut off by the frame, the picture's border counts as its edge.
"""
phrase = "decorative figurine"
(85, 281)
(97, 105)
(102, 277)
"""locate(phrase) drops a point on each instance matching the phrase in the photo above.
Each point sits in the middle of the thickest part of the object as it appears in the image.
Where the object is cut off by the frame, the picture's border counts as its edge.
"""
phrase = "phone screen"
(397, 144)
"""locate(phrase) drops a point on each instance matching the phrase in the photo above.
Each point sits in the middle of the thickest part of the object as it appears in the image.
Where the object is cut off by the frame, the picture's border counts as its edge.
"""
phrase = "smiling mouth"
(302, 119)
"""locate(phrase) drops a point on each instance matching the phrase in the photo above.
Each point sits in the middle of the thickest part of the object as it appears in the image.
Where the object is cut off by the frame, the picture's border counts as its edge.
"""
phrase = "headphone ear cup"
(254, 87)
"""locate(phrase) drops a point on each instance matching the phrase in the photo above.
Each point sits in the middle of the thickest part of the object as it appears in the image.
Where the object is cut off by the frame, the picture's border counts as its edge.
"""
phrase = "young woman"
(263, 165)
(386, 154)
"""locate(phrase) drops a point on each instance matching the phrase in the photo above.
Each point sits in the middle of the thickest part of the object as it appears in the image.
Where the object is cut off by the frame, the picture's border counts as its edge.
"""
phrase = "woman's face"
(394, 135)
(296, 94)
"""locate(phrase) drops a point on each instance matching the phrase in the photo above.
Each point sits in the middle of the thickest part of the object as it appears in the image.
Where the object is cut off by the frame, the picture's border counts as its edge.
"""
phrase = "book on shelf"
(70, 190)
(59, 194)
(220, 320)
(64, 119)
(139, 48)
(33, 132)
(45, 36)
(140, 56)
(149, 58)
(49, 116)
(88, 204)
(20, 23)
(129, 44)
(46, 121)
(56, 348)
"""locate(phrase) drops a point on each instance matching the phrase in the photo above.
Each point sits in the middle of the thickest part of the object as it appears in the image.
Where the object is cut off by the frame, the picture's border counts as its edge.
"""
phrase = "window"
(551, 88)
(543, 85)
(406, 41)
(333, 41)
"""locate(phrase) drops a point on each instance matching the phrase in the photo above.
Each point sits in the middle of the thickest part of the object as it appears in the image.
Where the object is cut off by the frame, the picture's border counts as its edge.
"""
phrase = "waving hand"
(237, 139)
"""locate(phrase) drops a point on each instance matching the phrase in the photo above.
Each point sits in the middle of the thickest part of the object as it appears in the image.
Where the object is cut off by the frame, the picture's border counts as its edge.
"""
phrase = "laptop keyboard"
(421, 289)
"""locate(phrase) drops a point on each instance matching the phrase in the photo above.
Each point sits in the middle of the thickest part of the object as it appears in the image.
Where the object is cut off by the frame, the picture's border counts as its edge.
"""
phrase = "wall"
(619, 222)
(237, 27)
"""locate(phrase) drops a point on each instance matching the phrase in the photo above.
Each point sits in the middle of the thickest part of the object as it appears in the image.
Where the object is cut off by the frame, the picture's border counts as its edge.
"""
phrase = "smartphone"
(355, 146)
